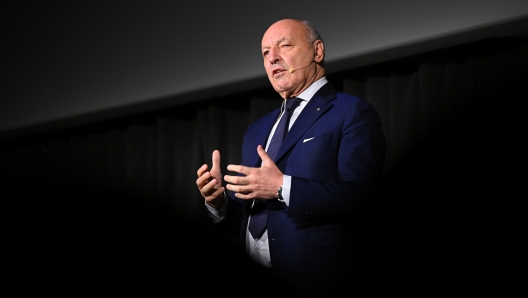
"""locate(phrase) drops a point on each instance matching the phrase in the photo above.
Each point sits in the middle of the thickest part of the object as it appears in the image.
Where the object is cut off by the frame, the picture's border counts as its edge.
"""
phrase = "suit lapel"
(316, 107)
(262, 136)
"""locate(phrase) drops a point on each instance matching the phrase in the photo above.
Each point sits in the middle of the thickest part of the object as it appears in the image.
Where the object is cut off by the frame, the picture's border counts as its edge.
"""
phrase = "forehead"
(284, 31)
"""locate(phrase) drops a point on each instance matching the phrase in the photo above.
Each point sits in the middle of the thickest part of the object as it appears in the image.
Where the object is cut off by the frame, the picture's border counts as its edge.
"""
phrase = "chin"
(281, 84)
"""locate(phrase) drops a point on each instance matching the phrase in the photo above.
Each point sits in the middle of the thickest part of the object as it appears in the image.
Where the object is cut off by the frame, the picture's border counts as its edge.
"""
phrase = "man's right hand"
(210, 182)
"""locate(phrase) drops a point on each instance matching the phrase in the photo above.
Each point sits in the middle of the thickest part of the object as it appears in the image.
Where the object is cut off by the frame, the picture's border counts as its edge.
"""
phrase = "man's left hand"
(259, 183)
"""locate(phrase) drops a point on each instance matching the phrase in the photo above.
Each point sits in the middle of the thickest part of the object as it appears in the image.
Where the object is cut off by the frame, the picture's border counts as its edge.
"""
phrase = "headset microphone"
(292, 70)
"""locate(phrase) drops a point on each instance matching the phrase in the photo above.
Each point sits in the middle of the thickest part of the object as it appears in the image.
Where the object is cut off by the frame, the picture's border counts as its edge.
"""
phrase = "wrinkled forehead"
(284, 31)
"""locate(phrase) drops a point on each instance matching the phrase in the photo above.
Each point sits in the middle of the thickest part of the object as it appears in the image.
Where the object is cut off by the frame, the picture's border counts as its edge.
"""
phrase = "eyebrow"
(278, 42)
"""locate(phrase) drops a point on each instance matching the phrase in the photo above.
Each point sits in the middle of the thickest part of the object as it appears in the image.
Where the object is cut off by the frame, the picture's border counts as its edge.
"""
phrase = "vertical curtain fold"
(124, 197)
(141, 178)
(155, 163)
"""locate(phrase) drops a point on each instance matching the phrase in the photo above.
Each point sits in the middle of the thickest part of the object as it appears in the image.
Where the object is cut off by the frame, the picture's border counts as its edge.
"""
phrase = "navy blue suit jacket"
(335, 153)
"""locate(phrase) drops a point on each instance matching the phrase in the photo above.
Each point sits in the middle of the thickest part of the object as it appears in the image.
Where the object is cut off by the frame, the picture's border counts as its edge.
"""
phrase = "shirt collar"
(310, 91)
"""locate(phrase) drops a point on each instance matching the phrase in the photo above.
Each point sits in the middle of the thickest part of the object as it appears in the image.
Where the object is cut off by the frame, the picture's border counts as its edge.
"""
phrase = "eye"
(265, 53)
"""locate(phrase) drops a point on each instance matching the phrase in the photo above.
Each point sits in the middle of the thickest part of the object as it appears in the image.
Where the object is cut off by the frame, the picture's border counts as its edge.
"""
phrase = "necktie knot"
(292, 103)
(281, 130)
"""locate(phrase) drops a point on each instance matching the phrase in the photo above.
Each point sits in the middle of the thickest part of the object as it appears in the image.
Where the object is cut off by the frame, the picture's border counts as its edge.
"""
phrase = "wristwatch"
(279, 194)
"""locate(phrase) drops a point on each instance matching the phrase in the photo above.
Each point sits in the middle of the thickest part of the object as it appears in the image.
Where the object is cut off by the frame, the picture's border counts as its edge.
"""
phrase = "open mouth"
(277, 71)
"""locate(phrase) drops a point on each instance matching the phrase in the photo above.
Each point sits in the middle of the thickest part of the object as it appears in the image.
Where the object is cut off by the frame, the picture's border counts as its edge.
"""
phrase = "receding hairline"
(311, 32)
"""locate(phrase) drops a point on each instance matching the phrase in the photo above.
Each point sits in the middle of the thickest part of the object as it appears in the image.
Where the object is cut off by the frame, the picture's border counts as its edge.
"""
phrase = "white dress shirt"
(258, 249)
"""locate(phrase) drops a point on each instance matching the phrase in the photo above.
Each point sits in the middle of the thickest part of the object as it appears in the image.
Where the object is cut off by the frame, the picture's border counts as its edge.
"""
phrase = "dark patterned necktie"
(257, 222)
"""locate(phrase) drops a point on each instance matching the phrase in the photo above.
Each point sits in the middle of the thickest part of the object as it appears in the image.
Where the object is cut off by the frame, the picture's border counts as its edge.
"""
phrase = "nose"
(273, 56)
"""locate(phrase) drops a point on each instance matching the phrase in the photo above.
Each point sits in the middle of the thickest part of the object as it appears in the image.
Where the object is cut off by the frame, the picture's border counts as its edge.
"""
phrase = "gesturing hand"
(210, 183)
(260, 182)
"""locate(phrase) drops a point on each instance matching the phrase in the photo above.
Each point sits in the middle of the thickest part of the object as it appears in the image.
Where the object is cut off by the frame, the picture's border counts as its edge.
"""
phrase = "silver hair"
(313, 34)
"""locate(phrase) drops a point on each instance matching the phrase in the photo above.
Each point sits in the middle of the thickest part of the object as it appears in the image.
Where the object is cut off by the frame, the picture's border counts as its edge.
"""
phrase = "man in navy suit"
(329, 162)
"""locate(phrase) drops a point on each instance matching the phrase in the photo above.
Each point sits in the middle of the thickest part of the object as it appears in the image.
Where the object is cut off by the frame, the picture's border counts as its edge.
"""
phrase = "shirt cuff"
(218, 214)
(286, 187)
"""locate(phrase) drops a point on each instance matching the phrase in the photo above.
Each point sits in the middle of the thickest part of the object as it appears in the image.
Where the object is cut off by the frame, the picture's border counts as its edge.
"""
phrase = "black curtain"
(122, 194)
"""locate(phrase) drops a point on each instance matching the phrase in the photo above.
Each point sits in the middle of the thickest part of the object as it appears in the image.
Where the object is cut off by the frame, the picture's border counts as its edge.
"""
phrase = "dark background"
(102, 197)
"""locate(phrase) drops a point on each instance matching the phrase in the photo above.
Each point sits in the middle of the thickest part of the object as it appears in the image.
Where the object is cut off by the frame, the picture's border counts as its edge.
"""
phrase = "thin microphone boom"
(292, 70)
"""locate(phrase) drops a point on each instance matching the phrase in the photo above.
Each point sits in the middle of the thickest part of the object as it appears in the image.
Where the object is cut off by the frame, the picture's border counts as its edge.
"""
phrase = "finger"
(209, 188)
(242, 196)
(201, 170)
(219, 192)
(238, 180)
(239, 169)
(203, 179)
(241, 192)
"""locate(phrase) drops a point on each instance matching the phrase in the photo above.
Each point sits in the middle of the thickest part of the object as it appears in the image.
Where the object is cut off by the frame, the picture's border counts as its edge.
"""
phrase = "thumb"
(266, 159)
(216, 160)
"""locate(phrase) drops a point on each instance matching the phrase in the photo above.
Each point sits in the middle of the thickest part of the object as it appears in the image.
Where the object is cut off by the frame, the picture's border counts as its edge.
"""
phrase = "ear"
(319, 51)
